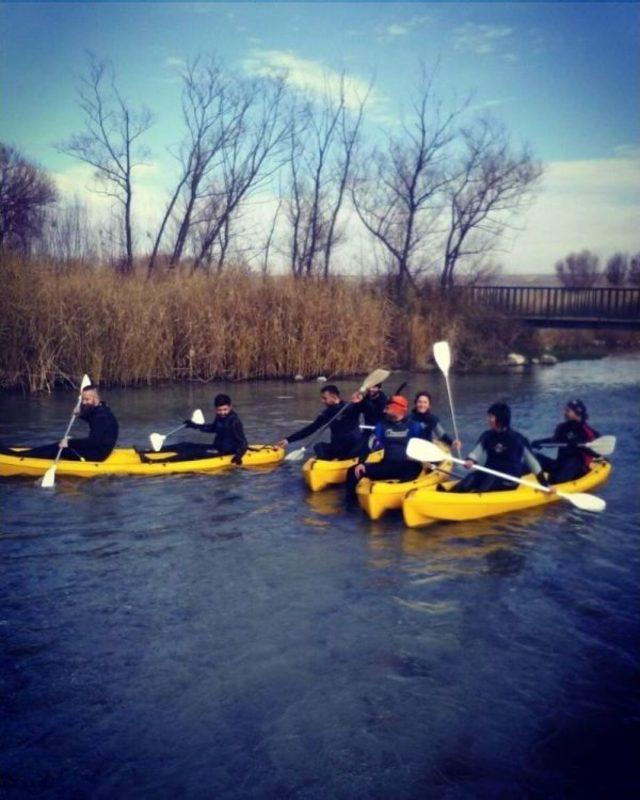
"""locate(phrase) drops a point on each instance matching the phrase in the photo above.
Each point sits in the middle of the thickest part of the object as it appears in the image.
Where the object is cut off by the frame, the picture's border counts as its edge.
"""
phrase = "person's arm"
(241, 440)
(440, 433)
(317, 423)
(378, 436)
(534, 466)
(477, 456)
(205, 427)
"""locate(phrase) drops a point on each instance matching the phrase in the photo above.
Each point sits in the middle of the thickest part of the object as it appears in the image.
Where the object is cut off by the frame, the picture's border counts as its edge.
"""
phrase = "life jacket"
(394, 436)
(505, 451)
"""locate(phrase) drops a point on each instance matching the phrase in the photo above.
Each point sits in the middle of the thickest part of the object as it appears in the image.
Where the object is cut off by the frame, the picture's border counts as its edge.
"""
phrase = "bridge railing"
(559, 302)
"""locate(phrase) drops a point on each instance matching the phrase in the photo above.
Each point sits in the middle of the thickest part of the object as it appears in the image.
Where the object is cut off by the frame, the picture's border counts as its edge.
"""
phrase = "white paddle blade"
(49, 478)
(296, 455)
(603, 445)
(197, 417)
(157, 440)
(86, 381)
(442, 355)
(374, 378)
(585, 502)
(421, 450)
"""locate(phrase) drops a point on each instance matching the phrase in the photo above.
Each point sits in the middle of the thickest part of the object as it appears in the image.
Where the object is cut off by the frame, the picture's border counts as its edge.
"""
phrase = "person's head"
(422, 402)
(396, 408)
(222, 403)
(374, 391)
(90, 396)
(499, 416)
(330, 395)
(575, 411)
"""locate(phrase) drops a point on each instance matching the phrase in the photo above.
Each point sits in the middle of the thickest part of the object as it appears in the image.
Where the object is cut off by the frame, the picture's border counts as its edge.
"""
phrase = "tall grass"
(58, 322)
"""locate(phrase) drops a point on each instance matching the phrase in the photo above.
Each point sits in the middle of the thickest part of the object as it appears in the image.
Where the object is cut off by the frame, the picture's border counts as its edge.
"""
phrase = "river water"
(231, 636)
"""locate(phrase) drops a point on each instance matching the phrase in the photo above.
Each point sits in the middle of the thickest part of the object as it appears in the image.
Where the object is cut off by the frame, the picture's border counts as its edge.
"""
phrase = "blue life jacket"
(394, 436)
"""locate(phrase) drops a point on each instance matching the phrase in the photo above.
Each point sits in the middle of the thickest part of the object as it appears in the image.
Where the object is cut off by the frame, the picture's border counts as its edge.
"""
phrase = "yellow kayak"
(319, 473)
(425, 506)
(127, 461)
(378, 497)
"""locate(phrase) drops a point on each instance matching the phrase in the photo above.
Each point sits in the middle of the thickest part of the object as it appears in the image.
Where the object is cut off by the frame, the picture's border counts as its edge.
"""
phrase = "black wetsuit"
(431, 427)
(505, 451)
(345, 431)
(97, 446)
(572, 461)
(372, 410)
(229, 440)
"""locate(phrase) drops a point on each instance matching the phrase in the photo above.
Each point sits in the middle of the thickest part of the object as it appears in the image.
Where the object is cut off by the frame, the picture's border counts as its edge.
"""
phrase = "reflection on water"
(233, 636)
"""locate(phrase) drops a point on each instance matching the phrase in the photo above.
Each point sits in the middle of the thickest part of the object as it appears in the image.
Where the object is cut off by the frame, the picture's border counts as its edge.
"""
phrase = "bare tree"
(26, 191)
(110, 142)
(248, 160)
(634, 270)
(398, 196)
(69, 234)
(578, 270)
(213, 111)
(489, 184)
(616, 270)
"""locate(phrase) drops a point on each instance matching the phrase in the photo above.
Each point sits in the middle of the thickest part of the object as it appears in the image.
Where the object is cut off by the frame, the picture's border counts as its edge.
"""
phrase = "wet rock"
(548, 359)
(321, 379)
(516, 360)
(298, 377)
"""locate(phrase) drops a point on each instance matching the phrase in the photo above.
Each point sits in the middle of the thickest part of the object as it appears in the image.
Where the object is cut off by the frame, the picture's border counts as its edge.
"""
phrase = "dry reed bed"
(56, 324)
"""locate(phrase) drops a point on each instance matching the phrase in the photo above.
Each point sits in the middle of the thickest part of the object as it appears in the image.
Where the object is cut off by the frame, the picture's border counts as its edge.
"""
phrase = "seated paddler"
(102, 438)
(228, 440)
(573, 459)
(500, 448)
(391, 435)
(342, 419)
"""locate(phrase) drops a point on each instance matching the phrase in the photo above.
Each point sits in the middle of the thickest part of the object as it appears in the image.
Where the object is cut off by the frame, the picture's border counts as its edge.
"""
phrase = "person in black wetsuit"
(229, 439)
(572, 461)
(392, 435)
(345, 430)
(102, 438)
(372, 407)
(429, 423)
(500, 448)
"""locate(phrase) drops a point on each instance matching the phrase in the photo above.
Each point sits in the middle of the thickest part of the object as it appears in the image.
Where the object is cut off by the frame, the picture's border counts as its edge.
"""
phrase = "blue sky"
(564, 77)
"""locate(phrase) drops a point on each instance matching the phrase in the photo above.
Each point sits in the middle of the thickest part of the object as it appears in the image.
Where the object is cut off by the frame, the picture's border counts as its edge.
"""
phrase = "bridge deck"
(562, 307)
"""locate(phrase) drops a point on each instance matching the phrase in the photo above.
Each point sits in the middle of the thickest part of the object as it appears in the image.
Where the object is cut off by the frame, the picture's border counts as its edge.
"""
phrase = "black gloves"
(188, 424)
(542, 480)
(237, 460)
(536, 443)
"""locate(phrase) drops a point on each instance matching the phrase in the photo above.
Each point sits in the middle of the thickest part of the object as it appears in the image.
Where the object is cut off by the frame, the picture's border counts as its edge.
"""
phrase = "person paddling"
(429, 423)
(229, 439)
(102, 438)
(372, 407)
(500, 448)
(392, 435)
(345, 430)
(572, 460)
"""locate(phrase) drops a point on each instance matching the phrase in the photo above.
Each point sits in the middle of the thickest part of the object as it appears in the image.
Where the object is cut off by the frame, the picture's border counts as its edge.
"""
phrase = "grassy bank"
(60, 322)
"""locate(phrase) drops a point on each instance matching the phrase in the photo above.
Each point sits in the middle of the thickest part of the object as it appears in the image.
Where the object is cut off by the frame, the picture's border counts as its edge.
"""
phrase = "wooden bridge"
(560, 307)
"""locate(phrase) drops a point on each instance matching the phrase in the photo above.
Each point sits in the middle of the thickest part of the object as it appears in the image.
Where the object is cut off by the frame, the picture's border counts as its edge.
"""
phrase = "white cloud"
(307, 75)
(480, 39)
(175, 62)
(397, 30)
(592, 204)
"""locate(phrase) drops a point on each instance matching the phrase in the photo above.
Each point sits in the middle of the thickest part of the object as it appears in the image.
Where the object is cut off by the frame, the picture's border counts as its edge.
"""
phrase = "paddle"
(442, 355)
(49, 478)
(603, 445)
(421, 450)
(377, 376)
(157, 439)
